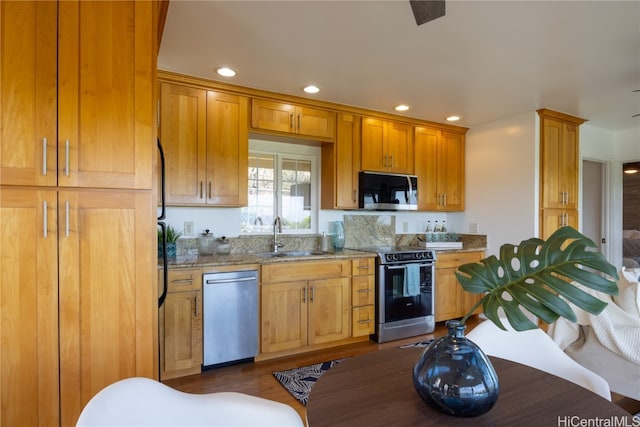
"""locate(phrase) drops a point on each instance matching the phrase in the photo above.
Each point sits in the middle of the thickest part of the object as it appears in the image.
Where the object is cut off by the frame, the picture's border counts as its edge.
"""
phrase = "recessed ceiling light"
(226, 72)
(311, 89)
(631, 170)
(401, 107)
(453, 118)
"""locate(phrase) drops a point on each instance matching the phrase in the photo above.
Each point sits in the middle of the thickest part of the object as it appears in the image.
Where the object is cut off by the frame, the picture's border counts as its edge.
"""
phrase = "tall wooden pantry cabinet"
(78, 297)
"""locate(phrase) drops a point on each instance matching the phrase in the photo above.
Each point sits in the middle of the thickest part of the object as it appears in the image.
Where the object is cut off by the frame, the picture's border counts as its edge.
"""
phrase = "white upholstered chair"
(145, 402)
(536, 349)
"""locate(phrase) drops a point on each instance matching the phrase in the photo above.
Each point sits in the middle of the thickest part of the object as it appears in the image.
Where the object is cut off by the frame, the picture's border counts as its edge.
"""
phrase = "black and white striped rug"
(299, 381)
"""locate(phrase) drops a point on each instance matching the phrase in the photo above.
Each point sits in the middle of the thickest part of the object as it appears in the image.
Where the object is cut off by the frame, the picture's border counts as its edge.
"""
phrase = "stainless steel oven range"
(405, 292)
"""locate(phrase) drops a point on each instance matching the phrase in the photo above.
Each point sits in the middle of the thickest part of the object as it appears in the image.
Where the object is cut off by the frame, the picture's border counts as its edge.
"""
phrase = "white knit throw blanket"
(616, 329)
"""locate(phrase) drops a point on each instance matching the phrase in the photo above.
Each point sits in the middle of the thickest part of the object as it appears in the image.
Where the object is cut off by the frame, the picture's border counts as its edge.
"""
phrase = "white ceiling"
(484, 60)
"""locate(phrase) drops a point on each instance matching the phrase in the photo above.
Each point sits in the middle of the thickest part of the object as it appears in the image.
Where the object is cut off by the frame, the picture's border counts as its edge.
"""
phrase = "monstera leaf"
(541, 277)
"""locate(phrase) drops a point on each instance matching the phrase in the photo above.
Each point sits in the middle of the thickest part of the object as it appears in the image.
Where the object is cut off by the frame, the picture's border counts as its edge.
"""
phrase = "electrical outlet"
(474, 228)
(188, 228)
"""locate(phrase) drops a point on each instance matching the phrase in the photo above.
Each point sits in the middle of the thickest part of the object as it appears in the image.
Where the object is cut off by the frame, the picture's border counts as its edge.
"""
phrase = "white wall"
(501, 180)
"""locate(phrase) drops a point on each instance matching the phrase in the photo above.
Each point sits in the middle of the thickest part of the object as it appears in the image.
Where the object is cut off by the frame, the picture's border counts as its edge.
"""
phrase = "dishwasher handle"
(242, 279)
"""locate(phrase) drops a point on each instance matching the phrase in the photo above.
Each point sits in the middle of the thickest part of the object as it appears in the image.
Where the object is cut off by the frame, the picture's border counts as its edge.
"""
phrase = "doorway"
(593, 213)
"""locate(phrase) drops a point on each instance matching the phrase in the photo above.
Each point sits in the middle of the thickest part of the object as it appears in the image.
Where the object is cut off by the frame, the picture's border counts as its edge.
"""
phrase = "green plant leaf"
(540, 276)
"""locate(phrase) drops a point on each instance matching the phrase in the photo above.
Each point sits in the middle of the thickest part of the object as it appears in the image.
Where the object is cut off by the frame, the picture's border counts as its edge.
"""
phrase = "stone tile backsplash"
(361, 231)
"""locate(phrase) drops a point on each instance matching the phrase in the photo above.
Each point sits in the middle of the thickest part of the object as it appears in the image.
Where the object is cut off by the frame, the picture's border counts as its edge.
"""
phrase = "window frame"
(280, 151)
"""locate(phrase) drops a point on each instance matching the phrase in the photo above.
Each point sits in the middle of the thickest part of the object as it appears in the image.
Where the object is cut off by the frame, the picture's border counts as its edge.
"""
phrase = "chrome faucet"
(277, 228)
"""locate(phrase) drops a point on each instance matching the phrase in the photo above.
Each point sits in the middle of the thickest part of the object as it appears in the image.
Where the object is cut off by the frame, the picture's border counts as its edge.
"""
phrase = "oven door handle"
(403, 267)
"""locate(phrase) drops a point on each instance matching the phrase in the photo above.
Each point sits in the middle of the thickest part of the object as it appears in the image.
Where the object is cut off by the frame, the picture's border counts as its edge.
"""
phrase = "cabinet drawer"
(363, 321)
(185, 280)
(362, 290)
(305, 270)
(454, 260)
(363, 266)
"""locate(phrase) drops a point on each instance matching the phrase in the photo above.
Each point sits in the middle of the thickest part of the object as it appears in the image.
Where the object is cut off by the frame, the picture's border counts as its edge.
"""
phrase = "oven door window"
(407, 300)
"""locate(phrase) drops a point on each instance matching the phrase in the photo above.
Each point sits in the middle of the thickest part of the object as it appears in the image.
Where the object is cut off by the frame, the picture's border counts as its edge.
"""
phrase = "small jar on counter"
(206, 243)
(223, 246)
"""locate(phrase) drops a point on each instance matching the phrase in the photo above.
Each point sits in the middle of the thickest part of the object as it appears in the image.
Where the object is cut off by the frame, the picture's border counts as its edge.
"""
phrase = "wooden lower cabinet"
(451, 301)
(363, 284)
(303, 305)
(553, 219)
(181, 324)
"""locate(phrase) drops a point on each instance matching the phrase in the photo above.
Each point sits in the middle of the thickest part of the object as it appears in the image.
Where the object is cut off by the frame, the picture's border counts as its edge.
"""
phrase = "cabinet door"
(427, 141)
(227, 149)
(29, 384)
(559, 156)
(450, 179)
(269, 115)
(400, 149)
(183, 125)
(108, 298)
(182, 337)
(316, 123)
(283, 316)
(373, 149)
(28, 79)
(106, 63)
(447, 305)
(341, 164)
(552, 219)
(329, 310)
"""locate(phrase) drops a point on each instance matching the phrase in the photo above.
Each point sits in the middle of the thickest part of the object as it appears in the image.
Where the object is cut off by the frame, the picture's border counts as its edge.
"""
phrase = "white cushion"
(628, 297)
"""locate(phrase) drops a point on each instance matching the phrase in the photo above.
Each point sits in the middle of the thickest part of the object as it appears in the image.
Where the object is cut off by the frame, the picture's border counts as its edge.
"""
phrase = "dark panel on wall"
(631, 200)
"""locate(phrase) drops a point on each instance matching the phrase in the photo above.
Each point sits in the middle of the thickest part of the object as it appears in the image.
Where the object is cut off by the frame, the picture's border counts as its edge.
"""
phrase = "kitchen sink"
(283, 254)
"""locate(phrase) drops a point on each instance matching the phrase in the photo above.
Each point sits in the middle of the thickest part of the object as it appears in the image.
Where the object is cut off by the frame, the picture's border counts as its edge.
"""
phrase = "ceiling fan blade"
(427, 10)
(636, 115)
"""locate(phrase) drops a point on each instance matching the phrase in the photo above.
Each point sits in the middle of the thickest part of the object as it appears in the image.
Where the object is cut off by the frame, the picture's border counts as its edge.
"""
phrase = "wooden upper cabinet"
(559, 154)
(387, 146)
(341, 164)
(29, 390)
(183, 134)
(439, 162)
(227, 149)
(293, 119)
(559, 170)
(28, 93)
(106, 61)
(205, 138)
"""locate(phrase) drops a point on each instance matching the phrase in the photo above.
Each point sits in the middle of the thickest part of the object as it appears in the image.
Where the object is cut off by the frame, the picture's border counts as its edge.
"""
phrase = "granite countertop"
(191, 261)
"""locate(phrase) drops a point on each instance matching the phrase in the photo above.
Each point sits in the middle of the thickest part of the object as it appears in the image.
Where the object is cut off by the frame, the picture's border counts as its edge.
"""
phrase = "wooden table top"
(376, 389)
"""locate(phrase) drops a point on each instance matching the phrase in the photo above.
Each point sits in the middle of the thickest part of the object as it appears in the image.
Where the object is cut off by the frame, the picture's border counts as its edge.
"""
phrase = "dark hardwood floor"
(257, 378)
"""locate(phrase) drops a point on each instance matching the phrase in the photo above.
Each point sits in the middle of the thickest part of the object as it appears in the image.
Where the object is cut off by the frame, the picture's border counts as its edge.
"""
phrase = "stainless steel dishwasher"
(230, 316)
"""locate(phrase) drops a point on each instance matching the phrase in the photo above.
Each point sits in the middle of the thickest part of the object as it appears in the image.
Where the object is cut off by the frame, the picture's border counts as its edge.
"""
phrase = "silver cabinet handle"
(299, 122)
(313, 293)
(304, 295)
(196, 301)
(291, 120)
(444, 199)
(363, 267)
(364, 291)
(44, 207)
(355, 196)
(391, 161)
(66, 218)
(364, 321)
(201, 184)
(66, 157)
(209, 189)
(44, 156)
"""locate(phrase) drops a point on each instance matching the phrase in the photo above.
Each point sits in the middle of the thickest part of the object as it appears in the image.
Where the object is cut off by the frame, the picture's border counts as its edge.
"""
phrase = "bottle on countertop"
(324, 242)
(429, 232)
(444, 227)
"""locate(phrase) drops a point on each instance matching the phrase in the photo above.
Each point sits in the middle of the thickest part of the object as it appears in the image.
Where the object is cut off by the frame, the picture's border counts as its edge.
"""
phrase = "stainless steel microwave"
(387, 192)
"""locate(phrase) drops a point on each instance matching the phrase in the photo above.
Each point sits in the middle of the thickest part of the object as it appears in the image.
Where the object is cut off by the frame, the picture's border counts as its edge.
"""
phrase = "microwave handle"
(408, 195)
